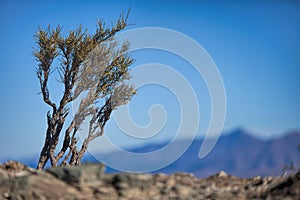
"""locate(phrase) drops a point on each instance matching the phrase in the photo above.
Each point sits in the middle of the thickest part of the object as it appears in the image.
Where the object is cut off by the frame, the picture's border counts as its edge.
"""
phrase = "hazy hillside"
(237, 153)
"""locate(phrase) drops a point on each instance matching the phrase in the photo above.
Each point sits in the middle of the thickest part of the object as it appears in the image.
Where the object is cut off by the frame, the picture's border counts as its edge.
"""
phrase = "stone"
(221, 174)
(6, 195)
(90, 182)
(75, 174)
(257, 181)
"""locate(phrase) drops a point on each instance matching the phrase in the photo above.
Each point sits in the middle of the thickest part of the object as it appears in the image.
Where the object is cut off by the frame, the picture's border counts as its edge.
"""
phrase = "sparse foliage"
(95, 65)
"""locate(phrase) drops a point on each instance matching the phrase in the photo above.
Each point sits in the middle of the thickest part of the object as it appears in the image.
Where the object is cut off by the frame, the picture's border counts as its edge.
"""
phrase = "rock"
(222, 174)
(17, 181)
(257, 181)
(13, 166)
(70, 175)
(125, 180)
(297, 175)
(76, 174)
(182, 191)
(6, 195)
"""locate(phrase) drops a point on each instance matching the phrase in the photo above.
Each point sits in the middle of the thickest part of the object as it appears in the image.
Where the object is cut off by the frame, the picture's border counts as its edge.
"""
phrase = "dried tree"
(94, 65)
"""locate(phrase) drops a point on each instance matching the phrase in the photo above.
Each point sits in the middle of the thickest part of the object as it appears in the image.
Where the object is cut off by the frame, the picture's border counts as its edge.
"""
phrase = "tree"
(94, 65)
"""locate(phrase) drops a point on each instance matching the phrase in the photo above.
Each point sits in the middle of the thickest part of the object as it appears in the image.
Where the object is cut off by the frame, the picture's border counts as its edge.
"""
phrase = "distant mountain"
(238, 153)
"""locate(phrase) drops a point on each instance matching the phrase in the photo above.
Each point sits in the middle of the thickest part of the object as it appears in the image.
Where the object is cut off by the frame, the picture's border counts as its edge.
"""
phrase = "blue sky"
(255, 45)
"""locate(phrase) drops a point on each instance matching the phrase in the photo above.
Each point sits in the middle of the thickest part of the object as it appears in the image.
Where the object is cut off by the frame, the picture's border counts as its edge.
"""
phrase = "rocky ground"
(17, 181)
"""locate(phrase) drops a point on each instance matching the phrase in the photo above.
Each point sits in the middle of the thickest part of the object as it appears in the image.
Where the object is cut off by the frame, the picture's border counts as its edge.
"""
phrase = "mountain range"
(237, 153)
